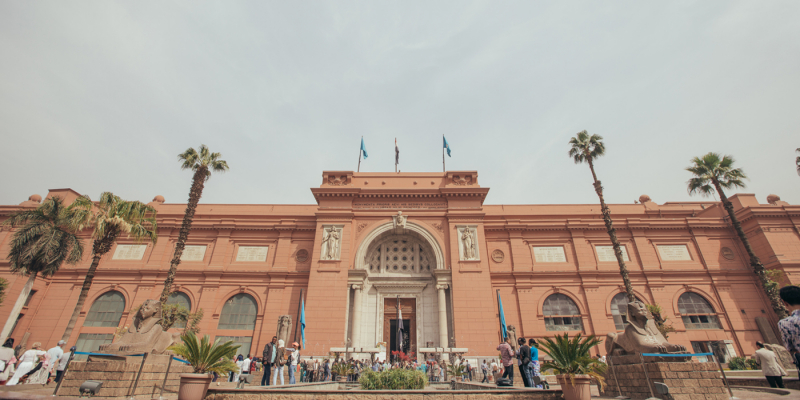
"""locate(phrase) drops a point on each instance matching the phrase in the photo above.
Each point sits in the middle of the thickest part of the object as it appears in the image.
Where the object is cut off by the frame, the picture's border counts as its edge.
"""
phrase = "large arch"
(382, 229)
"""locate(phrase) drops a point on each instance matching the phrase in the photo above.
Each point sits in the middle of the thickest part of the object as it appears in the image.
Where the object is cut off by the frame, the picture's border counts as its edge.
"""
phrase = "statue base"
(118, 376)
(686, 380)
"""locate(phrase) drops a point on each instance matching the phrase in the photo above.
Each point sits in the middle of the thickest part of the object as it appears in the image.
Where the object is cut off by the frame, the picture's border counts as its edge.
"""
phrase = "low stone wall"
(686, 380)
(331, 391)
(118, 378)
(790, 383)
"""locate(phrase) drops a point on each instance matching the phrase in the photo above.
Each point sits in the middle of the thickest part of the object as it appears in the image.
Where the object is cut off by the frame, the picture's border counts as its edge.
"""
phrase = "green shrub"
(393, 379)
(738, 364)
(752, 364)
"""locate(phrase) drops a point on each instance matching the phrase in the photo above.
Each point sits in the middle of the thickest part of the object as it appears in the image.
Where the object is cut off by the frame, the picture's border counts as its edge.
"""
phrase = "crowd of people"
(34, 366)
(527, 356)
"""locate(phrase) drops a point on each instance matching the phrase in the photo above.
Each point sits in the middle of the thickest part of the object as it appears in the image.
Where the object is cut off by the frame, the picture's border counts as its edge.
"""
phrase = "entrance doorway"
(409, 310)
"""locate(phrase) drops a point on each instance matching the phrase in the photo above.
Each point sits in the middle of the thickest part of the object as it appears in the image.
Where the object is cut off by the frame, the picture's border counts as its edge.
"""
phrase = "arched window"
(619, 310)
(181, 299)
(561, 313)
(239, 312)
(106, 310)
(696, 312)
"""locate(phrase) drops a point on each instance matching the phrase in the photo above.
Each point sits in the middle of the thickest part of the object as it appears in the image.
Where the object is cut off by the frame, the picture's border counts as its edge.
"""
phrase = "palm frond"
(204, 356)
(584, 147)
(713, 169)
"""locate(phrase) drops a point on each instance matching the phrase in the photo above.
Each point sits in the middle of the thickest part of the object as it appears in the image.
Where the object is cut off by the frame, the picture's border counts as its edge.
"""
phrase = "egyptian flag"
(396, 153)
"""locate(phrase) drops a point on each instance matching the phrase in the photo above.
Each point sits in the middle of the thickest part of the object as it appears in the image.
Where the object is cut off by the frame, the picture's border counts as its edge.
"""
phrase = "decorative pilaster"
(356, 334)
(443, 342)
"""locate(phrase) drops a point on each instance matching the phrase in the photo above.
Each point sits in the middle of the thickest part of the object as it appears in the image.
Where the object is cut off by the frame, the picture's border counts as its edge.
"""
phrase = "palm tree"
(586, 149)
(202, 162)
(47, 237)
(113, 217)
(712, 173)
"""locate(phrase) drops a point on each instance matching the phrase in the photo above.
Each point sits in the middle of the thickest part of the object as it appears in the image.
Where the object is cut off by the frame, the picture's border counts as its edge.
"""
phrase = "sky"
(103, 95)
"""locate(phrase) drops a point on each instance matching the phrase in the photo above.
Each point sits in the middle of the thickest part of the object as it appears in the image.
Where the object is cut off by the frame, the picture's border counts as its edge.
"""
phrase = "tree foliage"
(204, 356)
(203, 162)
(712, 173)
(571, 356)
(660, 320)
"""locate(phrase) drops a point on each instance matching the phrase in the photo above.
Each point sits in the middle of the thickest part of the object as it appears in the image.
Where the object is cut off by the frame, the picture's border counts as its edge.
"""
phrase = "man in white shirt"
(62, 366)
(294, 356)
(246, 365)
(55, 357)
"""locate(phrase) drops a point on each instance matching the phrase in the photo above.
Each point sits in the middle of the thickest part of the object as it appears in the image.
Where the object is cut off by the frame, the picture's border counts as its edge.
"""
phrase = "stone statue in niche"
(512, 336)
(468, 242)
(641, 335)
(330, 244)
(284, 328)
(400, 220)
(145, 335)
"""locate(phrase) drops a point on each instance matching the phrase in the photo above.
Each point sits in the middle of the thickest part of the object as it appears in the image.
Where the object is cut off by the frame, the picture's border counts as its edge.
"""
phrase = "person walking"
(523, 358)
(268, 359)
(55, 356)
(239, 361)
(7, 360)
(280, 361)
(770, 366)
(506, 358)
(485, 371)
(495, 369)
(790, 326)
(294, 355)
(27, 362)
(533, 367)
(246, 366)
(62, 365)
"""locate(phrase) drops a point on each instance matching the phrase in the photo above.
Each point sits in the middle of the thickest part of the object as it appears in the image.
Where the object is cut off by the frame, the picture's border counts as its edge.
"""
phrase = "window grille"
(106, 310)
(561, 313)
(239, 312)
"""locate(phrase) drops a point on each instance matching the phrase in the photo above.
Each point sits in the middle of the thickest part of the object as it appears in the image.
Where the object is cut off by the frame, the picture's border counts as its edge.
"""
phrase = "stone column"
(356, 333)
(443, 342)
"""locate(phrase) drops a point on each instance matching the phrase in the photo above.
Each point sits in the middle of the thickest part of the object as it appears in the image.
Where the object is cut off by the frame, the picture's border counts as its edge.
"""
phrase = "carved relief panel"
(331, 242)
(468, 243)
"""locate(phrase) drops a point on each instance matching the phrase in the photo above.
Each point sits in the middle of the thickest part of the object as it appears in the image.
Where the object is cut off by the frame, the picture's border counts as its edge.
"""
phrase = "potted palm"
(573, 365)
(342, 371)
(205, 357)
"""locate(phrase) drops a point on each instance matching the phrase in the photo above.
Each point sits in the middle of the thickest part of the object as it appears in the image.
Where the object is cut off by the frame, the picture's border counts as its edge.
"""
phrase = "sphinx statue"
(145, 335)
(641, 335)
(284, 328)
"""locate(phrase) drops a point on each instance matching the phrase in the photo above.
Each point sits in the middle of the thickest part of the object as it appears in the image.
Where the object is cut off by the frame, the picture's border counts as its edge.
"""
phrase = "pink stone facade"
(673, 248)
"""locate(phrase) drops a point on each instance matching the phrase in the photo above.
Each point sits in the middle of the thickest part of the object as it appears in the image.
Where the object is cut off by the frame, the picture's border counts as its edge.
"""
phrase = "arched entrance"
(398, 263)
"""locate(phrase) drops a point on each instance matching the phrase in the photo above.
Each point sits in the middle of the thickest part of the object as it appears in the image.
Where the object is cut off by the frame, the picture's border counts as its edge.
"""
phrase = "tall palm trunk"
(23, 296)
(612, 233)
(198, 182)
(99, 248)
(770, 289)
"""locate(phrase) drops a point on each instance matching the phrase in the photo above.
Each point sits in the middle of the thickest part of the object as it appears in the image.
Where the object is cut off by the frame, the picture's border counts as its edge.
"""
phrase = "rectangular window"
(674, 253)
(243, 341)
(562, 323)
(193, 253)
(129, 252)
(606, 253)
(252, 253)
(30, 296)
(19, 317)
(701, 322)
(549, 254)
(91, 342)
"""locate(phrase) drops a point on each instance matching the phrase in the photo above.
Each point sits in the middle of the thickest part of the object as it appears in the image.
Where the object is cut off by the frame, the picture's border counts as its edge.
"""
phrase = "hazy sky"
(102, 95)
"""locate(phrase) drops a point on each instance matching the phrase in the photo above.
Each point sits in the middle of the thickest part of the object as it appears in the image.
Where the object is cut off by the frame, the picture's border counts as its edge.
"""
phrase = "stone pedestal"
(118, 377)
(686, 380)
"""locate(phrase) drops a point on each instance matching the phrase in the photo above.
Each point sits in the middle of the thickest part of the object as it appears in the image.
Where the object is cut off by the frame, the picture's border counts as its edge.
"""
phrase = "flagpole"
(359, 156)
(443, 169)
(502, 339)
(299, 305)
(398, 316)
(395, 159)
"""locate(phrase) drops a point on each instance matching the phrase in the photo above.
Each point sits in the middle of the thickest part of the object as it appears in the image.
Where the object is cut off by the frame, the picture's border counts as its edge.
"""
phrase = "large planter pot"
(580, 390)
(194, 386)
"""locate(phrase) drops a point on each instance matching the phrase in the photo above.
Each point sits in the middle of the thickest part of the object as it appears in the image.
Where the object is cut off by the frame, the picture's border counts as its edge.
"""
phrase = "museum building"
(429, 241)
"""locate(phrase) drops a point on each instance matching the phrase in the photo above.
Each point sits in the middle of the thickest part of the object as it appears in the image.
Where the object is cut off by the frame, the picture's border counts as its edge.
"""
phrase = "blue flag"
(303, 321)
(446, 146)
(363, 149)
(502, 316)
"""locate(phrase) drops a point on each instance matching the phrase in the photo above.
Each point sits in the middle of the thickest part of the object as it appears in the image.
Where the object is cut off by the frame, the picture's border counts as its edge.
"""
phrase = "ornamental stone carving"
(641, 335)
(145, 335)
(284, 328)
(331, 242)
(400, 220)
(301, 256)
(468, 243)
(498, 256)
